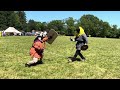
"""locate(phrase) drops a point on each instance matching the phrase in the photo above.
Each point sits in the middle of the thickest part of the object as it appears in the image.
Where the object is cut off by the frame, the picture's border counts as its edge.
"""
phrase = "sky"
(112, 17)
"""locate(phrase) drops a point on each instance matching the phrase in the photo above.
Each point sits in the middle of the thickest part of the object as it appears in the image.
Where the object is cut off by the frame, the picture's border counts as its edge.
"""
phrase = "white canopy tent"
(12, 30)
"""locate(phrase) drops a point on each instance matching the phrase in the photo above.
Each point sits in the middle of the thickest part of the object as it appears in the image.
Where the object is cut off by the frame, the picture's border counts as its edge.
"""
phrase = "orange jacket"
(38, 48)
(44, 40)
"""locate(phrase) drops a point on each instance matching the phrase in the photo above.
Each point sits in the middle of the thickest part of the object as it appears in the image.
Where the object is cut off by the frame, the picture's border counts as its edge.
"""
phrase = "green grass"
(102, 59)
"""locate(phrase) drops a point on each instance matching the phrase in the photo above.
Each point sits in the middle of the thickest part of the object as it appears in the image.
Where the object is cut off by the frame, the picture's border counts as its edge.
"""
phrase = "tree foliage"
(70, 22)
(92, 25)
(58, 25)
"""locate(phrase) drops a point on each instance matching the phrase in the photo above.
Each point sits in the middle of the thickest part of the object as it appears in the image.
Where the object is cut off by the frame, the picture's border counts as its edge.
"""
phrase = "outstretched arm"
(72, 39)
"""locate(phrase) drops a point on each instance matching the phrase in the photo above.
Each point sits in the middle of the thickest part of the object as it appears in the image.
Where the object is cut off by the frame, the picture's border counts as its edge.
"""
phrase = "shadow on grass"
(39, 62)
(76, 59)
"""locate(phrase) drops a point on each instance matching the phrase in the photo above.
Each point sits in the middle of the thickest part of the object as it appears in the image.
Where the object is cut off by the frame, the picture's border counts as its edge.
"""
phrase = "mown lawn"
(102, 59)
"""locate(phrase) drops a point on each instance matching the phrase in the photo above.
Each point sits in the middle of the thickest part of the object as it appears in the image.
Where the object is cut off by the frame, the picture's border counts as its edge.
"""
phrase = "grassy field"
(102, 59)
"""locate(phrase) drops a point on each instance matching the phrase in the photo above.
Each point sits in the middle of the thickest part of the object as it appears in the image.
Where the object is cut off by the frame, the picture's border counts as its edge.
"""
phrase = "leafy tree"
(90, 23)
(43, 26)
(57, 25)
(22, 20)
(31, 25)
(104, 29)
(70, 26)
(3, 20)
(8, 19)
(38, 26)
(114, 31)
(118, 33)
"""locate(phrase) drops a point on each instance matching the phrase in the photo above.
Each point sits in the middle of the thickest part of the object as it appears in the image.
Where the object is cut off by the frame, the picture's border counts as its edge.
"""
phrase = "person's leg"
(40, 61)
(33, 62)
(80, 54)
(75, 55)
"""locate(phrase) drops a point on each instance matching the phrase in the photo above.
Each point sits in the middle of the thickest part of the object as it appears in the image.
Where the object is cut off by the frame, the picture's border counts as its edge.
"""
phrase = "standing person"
(37, 49)
(81, 40)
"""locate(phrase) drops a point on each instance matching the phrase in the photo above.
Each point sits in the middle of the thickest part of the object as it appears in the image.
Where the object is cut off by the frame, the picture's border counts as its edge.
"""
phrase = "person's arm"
(78, 39)
(72, 39)
(85, 38)
(82, 38)
(45, 39)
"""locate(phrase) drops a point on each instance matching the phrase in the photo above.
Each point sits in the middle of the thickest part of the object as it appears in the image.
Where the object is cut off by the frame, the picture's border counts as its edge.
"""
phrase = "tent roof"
(12, 29)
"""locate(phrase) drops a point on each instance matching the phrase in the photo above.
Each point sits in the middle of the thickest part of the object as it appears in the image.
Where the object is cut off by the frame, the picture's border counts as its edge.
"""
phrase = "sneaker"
(73, 59)
(83, 59)
(69, 60)
(40, 62)
(27, 65)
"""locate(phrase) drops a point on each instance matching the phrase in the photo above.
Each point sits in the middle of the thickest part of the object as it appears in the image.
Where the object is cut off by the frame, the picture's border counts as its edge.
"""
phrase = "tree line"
(92, 25)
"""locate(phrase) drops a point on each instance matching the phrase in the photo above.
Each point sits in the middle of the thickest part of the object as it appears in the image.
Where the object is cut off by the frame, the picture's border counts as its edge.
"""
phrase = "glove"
(71, 39)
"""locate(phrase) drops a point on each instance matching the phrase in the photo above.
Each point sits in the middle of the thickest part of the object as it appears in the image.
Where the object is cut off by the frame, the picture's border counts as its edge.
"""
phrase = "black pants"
(78, 53)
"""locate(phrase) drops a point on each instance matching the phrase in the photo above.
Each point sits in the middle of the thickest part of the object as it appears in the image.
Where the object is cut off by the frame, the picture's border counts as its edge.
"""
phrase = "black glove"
(71, 39)
(49, 37)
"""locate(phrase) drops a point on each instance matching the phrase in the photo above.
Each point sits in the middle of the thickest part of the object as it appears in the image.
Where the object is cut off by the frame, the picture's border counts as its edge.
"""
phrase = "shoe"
(40, 62)
(83, 59)
(27, 65)
(69, 60)
(72, 59)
